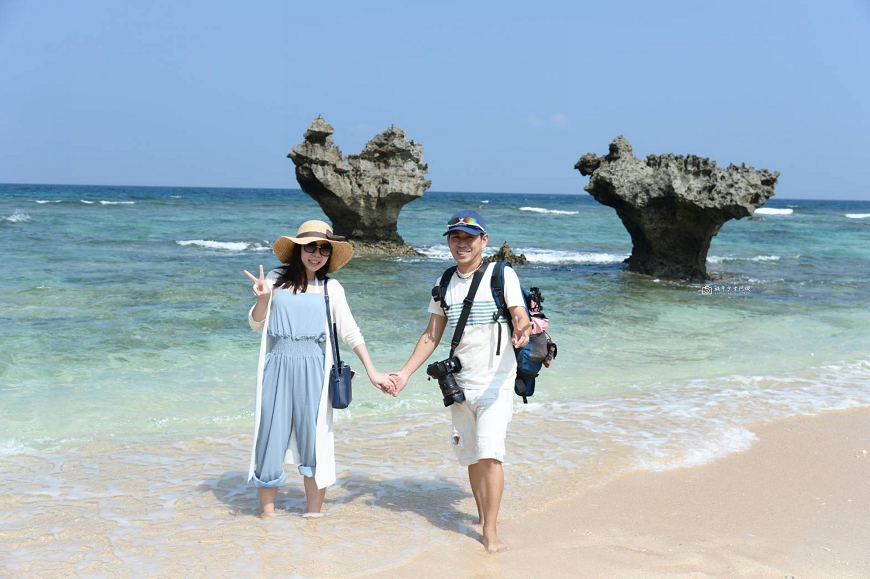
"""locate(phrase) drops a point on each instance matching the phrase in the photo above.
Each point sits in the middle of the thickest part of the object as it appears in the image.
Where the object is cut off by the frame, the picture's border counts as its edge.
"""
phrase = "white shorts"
(480, 424)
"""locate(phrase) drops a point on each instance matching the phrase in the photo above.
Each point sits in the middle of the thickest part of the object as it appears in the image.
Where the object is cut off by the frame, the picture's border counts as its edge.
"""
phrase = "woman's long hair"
(294, 275)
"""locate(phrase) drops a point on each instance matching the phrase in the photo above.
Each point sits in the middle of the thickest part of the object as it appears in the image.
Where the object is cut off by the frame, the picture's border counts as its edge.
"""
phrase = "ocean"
(127, 366)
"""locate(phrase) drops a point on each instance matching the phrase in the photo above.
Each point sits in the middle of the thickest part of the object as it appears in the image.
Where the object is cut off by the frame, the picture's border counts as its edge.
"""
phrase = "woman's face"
(314, 261)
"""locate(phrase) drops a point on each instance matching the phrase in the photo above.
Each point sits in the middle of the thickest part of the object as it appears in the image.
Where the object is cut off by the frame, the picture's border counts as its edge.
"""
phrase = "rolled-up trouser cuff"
(269, 484)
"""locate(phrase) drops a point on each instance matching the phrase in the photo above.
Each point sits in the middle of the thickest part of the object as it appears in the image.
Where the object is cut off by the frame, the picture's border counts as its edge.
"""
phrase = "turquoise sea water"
(123, 308)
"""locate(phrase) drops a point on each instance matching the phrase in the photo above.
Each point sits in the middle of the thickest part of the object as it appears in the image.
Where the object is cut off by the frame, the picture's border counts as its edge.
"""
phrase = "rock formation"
(671, 205)
(506, 254)
(363, 194)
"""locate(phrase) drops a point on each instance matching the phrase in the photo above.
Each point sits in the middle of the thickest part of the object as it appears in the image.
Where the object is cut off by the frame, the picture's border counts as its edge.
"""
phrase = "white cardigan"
(324, 449)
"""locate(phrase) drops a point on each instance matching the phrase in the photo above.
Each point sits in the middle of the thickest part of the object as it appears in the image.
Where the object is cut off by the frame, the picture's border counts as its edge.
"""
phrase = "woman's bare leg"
(267, 502)
(313, 495)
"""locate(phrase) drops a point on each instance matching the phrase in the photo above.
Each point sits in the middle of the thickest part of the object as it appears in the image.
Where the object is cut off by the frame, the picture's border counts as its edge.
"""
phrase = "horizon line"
(300, 190)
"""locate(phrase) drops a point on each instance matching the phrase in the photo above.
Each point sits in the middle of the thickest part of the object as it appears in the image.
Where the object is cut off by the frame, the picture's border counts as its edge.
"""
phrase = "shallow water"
(127, 367)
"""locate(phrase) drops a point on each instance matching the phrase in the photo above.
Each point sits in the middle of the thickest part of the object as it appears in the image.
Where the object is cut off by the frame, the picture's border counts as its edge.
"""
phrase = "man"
(488, 366)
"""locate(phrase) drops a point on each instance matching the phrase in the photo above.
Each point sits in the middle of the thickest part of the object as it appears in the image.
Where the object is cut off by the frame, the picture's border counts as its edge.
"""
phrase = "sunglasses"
(325, 249)
(465, 221)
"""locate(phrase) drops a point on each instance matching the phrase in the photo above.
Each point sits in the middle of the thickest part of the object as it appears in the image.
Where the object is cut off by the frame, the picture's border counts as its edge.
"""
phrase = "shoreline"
(576, 504)
(795, 504)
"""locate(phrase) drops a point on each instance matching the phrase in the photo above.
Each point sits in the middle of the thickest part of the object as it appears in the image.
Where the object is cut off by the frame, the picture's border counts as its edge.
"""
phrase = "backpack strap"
(496, 283)
(439, 292)
(466, 309)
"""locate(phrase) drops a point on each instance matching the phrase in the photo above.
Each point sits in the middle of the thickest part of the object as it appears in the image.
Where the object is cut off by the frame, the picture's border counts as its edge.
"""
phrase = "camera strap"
(466, 307)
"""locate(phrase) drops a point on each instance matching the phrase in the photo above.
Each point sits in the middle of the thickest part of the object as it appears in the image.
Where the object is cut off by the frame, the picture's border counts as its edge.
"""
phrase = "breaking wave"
(548, 211)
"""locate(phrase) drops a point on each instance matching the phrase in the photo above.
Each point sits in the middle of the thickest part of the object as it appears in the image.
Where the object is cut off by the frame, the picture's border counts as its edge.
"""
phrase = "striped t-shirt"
(481, 368)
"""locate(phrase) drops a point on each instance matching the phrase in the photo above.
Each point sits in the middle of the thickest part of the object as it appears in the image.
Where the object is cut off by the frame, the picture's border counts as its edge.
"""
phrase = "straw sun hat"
(310, 231)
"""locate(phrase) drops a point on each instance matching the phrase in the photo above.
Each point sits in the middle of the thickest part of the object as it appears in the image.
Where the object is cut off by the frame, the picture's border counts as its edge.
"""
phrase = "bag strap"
(466, 308)
(497, 285)
(336, 358)
(441, 298)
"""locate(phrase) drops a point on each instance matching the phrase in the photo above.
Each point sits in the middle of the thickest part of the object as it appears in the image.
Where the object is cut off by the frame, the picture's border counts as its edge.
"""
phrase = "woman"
(293, 414)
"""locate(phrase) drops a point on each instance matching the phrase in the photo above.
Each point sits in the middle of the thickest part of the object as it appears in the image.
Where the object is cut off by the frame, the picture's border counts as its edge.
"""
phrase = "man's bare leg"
(313, 495)
(267, 502)
(474, 477)
(492, 488)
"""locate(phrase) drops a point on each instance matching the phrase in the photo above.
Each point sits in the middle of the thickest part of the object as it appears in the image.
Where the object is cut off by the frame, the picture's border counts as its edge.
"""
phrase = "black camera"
(535, 296)
(443, 372)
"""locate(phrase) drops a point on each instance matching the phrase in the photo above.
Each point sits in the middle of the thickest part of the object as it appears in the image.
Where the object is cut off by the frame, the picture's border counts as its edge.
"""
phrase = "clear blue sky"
(504, 96)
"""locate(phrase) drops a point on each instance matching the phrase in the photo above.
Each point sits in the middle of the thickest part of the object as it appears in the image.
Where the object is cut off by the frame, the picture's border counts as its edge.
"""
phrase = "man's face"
(466, 248)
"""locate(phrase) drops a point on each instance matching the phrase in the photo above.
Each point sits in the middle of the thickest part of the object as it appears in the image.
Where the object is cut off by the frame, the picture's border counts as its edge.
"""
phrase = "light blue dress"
(292, 384)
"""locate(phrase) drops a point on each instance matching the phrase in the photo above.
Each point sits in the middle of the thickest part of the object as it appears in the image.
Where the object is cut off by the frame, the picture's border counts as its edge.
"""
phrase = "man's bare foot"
(267, 514)
(492, 543)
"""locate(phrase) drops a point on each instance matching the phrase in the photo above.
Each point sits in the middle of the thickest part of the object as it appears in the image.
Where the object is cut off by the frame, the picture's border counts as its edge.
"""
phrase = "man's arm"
(425, 347)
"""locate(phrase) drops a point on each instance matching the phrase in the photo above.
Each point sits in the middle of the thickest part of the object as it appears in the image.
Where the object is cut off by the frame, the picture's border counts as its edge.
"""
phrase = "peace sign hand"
(261, 288)
(521, 335)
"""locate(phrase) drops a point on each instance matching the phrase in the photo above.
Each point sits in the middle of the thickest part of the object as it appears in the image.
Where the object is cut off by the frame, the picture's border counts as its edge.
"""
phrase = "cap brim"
(466, 229)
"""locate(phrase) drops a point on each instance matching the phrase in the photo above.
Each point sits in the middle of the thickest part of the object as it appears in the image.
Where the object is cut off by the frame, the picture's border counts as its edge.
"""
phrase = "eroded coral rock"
(673, 205)
(505, 253)
(362, 194)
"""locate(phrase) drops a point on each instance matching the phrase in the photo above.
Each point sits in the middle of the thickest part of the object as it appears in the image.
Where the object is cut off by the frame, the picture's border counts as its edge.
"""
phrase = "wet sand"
(795, 505)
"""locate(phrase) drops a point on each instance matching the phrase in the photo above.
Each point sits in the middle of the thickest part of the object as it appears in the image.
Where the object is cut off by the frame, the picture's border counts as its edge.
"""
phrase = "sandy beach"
(795, 505)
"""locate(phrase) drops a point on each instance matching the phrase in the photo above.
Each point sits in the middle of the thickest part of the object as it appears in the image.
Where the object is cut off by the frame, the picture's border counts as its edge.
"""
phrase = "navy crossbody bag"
(340, 375)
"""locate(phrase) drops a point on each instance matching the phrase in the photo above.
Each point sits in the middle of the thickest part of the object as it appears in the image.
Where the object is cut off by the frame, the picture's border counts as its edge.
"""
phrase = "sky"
(504, 96)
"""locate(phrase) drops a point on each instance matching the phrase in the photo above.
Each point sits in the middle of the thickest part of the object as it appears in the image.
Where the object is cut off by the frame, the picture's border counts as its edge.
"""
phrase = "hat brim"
(342, 251)
(467, 229)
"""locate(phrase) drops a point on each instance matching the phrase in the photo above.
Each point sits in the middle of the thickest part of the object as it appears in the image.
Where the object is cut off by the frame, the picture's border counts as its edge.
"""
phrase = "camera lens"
(450, 390)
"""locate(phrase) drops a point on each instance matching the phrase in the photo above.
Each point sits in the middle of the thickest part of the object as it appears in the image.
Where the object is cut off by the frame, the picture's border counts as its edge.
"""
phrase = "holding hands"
(391, 383)
(382, 382)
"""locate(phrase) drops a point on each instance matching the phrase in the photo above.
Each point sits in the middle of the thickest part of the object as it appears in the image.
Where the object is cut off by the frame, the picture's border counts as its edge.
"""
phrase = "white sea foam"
(233, 246)
(176, 196)
(772, 211)
(221, 245)
(857, 215)
(11, 446)
(552, 256)
(534, 255)
(707, 449)
(442, 252)
(17, 217)
(485, 201)
(721, 258)
(87, 202)
(42, 201)
(548, 211)
(117, 202)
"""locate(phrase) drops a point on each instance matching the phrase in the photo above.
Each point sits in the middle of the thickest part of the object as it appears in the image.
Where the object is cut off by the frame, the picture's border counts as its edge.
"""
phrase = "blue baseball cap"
(467, 221)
